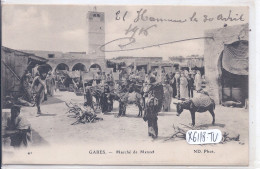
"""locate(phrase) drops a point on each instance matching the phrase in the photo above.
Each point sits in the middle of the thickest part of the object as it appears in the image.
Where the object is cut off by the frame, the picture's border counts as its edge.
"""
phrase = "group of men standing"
(178, 85)
(184, 83)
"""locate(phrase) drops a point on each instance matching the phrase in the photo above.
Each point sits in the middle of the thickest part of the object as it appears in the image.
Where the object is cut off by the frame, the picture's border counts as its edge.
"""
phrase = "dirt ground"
(55, 125)
(53, 137)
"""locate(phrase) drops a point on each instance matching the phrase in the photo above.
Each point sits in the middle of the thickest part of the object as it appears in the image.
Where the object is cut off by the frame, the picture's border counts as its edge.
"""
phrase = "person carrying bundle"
(153, 106)
(39, 86)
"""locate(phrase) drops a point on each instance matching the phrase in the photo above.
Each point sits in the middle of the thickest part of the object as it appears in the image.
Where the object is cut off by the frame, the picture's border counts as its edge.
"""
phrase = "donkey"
(200, 104)
(124, 100)
(122, 95)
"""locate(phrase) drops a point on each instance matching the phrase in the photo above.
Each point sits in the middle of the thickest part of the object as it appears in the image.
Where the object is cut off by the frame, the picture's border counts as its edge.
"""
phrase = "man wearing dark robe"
(173, 85)
(190, 85)
(123, 98)
(88, 98)
(104, 99)
(151, 110)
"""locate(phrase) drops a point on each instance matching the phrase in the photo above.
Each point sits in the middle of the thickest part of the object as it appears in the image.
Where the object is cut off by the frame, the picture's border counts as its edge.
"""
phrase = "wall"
(212, 51)
(69, 58)
(44, 54)
(71, 62)
(17, 62)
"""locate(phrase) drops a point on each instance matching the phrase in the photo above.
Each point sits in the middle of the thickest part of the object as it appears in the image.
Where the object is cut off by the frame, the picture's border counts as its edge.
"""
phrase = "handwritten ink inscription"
(152, 23)
(133, 31)
(141, 31)
(142, 16)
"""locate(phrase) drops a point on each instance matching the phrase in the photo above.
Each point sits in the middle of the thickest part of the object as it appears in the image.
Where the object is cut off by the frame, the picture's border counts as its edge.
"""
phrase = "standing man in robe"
(153, 107)
(104, 100)
(39, 87)
(88, 101)
(183, 87)
(198, 81)
(167, 99)
(173, 85)
(190, 85)
(123, 97)
(50, 83)
(177, 78)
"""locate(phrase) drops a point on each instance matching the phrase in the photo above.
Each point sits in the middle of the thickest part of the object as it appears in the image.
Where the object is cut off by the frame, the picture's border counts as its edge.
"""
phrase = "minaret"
(96, 33)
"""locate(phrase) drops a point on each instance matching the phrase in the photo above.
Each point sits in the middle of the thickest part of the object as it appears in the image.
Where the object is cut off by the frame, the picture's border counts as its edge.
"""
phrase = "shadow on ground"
(211, 125)
(38, 140)
(167, 114)
(52, 100)
(46, 114)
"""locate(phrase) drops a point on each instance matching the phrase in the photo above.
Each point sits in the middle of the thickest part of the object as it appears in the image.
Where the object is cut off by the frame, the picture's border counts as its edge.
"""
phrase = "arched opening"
(49, 67)
(95, 67)
(79, 67)
(233, 70)
(62, 66)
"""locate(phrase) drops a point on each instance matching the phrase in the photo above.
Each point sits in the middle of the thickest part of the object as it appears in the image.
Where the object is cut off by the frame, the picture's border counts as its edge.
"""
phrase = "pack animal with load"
(202, 103)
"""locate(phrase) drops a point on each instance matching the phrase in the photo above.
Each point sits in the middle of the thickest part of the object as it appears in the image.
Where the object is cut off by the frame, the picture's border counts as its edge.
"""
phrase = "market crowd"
(41, 82)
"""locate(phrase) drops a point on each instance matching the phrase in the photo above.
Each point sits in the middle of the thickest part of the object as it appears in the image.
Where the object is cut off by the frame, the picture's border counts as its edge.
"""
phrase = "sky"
(64, 28)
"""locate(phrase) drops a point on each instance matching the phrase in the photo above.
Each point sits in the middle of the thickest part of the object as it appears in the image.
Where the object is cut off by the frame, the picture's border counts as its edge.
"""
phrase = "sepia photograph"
(125, 85)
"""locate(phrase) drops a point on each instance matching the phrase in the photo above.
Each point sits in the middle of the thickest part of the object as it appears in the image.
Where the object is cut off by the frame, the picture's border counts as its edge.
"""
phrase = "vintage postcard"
(125, 85)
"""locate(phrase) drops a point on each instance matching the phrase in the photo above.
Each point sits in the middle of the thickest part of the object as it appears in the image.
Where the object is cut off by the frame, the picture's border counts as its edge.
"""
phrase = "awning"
(70, 74)
(87, 76)
(141, 64)
(115, 62)
(235, 58)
